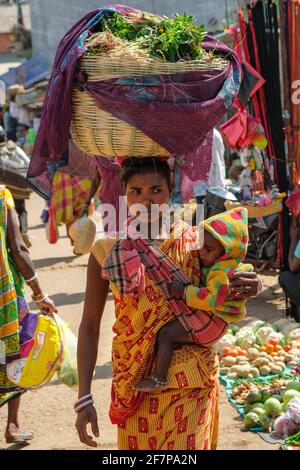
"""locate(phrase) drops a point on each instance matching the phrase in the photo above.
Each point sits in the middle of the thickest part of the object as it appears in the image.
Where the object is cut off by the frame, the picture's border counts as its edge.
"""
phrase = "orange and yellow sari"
(184, 416)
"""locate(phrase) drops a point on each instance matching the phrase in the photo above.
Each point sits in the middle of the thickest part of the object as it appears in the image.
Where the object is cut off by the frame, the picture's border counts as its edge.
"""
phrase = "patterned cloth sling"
(125, 267)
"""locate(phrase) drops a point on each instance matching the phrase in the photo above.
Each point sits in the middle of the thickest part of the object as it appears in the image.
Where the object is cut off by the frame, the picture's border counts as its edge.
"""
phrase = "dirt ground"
(49, 411)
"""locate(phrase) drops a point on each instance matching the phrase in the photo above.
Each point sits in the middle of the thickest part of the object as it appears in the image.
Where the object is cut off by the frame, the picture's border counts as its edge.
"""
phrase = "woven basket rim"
(217, 63)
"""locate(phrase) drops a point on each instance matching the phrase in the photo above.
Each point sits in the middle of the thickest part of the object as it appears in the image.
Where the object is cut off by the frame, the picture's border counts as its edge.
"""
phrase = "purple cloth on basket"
(80, 164)
(192, 173)
(177, 111)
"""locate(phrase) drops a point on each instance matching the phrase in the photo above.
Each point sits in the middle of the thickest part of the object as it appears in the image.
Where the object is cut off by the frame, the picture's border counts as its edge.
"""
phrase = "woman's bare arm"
(21, 257)
(88, 338)
(93, 189)
(17, 246)
(95, 300)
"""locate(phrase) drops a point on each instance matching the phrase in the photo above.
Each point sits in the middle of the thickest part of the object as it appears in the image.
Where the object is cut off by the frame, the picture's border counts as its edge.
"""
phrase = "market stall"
(260, 368)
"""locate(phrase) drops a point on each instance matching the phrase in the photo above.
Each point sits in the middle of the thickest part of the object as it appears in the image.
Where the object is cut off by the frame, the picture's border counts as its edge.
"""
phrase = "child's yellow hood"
(231, 229)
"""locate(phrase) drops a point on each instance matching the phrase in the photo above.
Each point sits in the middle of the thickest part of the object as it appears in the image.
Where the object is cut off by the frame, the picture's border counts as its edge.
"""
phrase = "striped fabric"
(69, 194)
(12, 302)
(184, 416)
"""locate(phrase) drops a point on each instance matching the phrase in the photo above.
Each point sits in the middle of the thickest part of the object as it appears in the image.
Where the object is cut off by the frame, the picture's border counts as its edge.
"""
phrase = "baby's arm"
(210, 297)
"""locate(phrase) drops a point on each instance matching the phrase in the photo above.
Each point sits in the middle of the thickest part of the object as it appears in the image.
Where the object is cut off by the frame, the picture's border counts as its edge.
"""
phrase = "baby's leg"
(169, 337)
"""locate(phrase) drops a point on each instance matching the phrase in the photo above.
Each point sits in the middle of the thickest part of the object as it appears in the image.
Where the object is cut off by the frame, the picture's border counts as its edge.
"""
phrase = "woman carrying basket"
(185, 415)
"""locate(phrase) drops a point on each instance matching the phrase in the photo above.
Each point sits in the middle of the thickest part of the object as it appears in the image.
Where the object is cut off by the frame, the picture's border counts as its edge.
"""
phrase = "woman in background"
(16, 265)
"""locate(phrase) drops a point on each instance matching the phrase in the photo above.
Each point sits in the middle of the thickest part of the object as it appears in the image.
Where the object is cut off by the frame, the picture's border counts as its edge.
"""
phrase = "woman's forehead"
(148, 179)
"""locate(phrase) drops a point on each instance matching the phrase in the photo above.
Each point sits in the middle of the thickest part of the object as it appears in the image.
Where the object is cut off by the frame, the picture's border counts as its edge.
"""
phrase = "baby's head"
(225, 237)
(211, 250)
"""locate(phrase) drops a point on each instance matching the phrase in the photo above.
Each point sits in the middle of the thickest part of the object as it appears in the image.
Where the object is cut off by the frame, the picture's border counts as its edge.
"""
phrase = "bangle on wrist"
(39, 297)
(83, 405)
(32, 280)
(43, 299)
(82, 399)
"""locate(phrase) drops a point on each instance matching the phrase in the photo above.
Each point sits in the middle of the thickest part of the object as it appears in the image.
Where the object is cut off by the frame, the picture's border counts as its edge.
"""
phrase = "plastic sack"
(41, 352)
(294, 410)
(285, 426)
(83, 233)
(67, 372)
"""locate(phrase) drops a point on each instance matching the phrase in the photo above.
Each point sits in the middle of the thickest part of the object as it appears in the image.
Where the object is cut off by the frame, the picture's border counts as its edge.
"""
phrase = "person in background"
(22, 131)
(9, 125)
(16, 266)
(70, 187)
(14, 115)
(290, 280)
(14, 152)
(106, 185)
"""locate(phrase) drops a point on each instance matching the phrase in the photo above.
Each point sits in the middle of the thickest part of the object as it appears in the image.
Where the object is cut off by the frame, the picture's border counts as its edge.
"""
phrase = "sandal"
(18, 435)
(151, 383)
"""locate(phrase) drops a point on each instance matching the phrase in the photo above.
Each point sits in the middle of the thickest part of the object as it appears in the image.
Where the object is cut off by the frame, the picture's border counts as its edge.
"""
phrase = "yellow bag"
(44, 358)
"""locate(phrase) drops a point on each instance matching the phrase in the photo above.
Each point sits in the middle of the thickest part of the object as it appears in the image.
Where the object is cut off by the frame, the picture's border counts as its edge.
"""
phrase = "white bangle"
(82, 399)
(31, 279)
(42, 300)
(83, 405)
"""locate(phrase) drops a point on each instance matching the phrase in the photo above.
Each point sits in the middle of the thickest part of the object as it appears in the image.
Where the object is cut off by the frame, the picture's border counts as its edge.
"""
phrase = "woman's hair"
(136, 166)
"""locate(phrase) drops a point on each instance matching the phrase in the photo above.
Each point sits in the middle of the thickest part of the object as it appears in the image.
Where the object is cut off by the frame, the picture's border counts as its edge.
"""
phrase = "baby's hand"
(176, 289)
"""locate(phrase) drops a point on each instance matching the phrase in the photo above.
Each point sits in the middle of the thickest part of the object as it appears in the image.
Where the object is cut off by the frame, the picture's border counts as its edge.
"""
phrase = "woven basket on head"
(98, 132)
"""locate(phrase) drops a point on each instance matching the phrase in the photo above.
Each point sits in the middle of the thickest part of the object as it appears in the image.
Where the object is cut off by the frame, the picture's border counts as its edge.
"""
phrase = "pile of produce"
(274, 406)
(171, 40)
(260, 349)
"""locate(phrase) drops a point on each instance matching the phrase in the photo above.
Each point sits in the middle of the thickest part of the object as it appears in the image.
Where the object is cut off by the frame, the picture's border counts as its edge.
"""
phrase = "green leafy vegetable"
(171, 39)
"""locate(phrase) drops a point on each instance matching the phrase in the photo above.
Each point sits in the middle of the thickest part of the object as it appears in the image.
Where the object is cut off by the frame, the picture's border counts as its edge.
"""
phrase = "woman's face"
(147, 189)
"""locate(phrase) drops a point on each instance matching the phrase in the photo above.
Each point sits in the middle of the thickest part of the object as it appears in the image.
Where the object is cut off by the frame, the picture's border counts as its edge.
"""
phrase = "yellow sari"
(185, 415)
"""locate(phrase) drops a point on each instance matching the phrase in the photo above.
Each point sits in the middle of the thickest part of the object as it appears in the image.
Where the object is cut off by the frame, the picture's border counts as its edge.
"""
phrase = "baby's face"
(211, 251)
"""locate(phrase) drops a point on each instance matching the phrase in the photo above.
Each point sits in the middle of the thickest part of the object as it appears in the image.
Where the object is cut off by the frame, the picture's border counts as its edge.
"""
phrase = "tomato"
(273, 341)
(227, 349)
(242, 353)
(278, 348)
(263, 349)
(287, 348)
(270, 348)
(233, 353)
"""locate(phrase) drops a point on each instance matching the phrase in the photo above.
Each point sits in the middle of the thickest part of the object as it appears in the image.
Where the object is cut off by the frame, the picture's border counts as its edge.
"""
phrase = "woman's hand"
(244, 284)
(47, 306)
(176, 289)
(84, 417)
